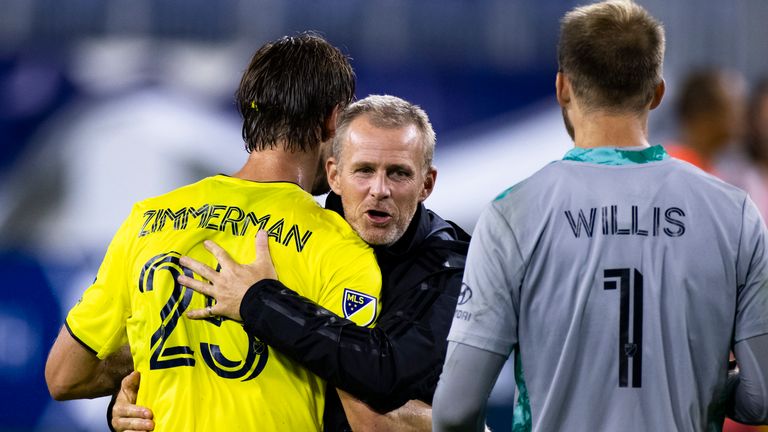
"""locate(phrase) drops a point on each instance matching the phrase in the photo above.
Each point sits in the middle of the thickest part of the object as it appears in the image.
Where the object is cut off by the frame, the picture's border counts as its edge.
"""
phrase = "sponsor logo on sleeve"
(465, 295)
(359, 307)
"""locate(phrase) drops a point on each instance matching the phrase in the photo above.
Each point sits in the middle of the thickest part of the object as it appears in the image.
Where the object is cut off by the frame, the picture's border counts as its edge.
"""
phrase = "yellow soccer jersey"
(209, 375)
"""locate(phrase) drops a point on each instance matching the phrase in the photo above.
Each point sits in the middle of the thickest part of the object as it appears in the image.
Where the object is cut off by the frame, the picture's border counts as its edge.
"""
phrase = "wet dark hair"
(289, 90)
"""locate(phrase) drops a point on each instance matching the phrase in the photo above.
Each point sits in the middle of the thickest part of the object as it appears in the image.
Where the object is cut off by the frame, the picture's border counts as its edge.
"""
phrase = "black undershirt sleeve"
(749, 402)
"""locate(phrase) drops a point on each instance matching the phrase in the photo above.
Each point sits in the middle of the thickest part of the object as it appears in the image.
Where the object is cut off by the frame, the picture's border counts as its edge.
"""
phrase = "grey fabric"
(460, 398)
(623, 287)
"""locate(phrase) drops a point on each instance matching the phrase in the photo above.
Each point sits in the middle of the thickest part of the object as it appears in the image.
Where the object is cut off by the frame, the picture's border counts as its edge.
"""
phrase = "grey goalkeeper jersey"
(620, 279)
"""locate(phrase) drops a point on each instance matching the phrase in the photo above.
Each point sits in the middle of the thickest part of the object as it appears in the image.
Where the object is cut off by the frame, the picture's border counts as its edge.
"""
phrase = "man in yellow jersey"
(209, 374)
(381, 167)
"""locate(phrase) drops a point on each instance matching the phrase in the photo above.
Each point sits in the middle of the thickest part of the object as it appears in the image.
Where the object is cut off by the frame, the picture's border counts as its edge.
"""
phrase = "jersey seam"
(80, 341)
(485, 343)
(627, 166)
(754, 330)
(739, 283)
(514, 239)
(741, 233)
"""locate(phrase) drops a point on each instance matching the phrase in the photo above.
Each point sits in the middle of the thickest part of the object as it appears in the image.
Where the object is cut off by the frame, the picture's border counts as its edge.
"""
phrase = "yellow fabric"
(135, 299)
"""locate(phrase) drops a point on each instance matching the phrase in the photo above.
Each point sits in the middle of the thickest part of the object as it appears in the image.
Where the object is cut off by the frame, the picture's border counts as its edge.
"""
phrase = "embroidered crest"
(358, 306)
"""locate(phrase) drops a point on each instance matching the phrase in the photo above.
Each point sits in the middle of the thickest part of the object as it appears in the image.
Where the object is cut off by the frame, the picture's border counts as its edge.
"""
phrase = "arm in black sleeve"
(377, 365)
(749, 403)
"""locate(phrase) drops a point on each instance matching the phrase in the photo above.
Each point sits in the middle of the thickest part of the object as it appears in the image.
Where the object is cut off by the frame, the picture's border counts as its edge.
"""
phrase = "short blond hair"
(612, 52)
(387, 111)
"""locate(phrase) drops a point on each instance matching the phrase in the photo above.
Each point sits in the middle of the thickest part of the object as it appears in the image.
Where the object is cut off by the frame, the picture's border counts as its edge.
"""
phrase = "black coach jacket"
(402, 356)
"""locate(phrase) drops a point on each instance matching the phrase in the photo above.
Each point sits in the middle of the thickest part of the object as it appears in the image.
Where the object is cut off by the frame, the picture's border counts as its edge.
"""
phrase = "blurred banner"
(106, 103)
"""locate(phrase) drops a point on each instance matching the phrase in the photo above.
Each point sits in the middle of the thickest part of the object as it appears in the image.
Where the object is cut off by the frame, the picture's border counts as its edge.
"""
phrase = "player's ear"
(332, 169)
(329, 126)
(658, 94)
(429, 183)
(562, 89)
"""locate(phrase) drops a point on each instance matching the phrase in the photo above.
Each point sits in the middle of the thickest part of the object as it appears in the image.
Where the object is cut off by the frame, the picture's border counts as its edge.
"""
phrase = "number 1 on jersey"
(629, 350)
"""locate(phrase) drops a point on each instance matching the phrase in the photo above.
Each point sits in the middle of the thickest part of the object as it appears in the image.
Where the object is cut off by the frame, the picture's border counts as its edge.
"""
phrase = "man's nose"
(380, 186)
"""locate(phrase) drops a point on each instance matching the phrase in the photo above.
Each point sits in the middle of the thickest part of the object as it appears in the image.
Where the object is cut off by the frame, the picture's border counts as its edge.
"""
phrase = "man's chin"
(379, 242)
(379, 236)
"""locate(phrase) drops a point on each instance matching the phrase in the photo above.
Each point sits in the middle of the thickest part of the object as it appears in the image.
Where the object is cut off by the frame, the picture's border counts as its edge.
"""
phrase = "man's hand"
(126, 415)
(228, 286)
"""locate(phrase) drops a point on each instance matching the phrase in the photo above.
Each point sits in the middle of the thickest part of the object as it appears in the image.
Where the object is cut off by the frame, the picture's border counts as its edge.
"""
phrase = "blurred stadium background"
(103, 103)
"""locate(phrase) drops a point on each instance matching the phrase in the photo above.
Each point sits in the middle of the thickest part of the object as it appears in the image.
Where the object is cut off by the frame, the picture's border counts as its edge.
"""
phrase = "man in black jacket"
(380, 172)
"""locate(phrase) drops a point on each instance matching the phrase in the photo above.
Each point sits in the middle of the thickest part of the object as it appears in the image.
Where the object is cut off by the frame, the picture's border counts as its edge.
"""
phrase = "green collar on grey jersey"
(616, 156)
(610, 156)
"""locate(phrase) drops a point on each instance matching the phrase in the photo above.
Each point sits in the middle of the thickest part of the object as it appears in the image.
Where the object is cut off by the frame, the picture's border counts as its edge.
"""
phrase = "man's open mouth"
(377, 216)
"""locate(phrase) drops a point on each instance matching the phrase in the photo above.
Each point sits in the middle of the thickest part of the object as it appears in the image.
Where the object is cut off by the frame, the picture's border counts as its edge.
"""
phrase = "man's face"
(381, 179)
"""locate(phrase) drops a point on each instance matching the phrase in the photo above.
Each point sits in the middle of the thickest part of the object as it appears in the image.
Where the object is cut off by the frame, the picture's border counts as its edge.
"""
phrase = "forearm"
(362, 361)
(73, 372)
(414, 416)
(294, 326)
(749, 402)
(468, 377)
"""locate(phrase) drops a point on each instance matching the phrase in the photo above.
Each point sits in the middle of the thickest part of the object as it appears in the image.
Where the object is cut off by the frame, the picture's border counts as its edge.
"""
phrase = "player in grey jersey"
(619, 277)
